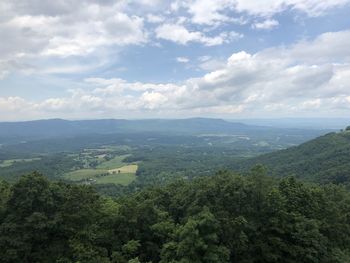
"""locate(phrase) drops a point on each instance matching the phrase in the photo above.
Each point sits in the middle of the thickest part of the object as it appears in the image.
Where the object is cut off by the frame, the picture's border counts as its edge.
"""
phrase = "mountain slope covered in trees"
(224, 218)
(54, 128)
(324, 159)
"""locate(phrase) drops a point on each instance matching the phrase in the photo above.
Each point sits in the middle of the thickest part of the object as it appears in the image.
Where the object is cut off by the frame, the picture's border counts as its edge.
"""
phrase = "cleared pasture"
(122, 178)
(132, 168)
(114, 163)
(8, 163)
(83, 174)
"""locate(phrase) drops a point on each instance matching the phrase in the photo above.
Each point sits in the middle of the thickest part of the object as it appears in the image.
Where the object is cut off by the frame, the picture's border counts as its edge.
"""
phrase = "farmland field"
(114, 163)
(132, 168)
(8, 163)
(83, 174)
(122, 178)
(113, 171)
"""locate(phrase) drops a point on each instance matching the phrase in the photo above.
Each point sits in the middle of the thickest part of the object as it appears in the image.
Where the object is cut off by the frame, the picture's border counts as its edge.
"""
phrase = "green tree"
(197, 241)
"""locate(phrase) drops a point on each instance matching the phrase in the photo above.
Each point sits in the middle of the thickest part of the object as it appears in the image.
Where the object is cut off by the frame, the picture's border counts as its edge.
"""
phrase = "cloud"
(36, 31)
(74, 33)
(214, 13)
(179, 34)
(273, 82)
(210, 12)
(266, 24)
(271, 7)
(211, 64)
(65, 37)
(182, 60)
(155, 18)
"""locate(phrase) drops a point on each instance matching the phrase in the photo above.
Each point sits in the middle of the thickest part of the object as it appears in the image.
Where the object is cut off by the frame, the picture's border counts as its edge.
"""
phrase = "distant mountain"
(301, 123)
(324, 159)
(63, 128)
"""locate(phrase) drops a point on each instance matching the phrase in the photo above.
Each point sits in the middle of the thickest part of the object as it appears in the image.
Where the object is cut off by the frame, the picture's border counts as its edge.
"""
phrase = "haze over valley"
(175, 131)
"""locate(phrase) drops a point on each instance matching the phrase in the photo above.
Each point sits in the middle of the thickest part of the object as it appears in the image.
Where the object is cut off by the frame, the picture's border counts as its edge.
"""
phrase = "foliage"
(224, 218)
(323, 160)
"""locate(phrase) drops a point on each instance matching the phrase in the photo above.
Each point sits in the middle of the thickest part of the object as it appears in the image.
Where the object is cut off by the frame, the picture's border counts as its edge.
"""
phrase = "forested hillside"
(324, 159)
(11, 132)
(223, 218)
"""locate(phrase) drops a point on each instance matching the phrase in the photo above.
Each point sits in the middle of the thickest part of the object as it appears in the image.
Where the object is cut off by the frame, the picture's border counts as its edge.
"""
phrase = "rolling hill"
(324, 159)
(59, 127)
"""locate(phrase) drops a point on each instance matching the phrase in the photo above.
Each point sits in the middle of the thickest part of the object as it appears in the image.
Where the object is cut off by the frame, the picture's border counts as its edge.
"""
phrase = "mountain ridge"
(325, 159)
(61, 127)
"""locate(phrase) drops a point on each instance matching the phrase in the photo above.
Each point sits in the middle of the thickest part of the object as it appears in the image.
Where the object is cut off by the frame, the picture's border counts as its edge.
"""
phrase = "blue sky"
(174, 59)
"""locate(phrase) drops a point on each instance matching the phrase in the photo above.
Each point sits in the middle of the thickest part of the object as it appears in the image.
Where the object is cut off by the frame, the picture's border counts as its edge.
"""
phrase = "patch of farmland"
(83, 174)
(114, 163)
(132, 168)
(122, 178)
(8, 163)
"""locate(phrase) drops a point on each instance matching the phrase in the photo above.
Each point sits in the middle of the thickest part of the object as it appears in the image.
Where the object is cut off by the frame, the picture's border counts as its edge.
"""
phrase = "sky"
(133, 59)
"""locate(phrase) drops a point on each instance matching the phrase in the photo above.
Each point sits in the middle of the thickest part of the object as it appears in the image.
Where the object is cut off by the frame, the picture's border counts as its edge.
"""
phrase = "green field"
(122, 178)
(82, 174)
(100, 176)
(114, 171)
(8, 163)
(109, 148)
(132, 168)
(114, 163)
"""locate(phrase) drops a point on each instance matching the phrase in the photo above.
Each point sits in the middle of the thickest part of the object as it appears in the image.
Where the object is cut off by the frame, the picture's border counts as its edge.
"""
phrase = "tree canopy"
(224, 218)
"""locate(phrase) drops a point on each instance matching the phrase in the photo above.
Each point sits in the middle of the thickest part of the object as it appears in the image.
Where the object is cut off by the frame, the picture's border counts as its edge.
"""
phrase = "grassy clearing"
(114, 171)
(109, 148)
(132, 168)
(122, 178)
(119, 173)
(83, 174)
(8, 163)
(114, 163)
(99, 176)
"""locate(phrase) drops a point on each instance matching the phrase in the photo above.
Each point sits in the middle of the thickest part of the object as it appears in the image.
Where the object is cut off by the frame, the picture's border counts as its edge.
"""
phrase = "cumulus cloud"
(210, 12)
(207, 12)
(181, 35)
(155, 18)
(35, 30)
(275, 80)
(182, 59)
(271, 7)
(308, 76)
(67, 36)
(51, 29)
(266, 24)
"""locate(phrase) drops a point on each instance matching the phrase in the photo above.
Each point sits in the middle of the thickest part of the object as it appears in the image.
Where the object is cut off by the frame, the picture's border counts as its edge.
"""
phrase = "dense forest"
(222, 218)
(325, 159)
(178, 208)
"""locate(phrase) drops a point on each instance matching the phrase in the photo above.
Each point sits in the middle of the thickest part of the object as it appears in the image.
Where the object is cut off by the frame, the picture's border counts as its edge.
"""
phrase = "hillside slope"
(63, 128)
(324, 159)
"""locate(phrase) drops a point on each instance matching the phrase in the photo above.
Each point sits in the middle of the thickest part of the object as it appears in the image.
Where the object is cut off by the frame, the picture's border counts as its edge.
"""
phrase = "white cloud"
(212, 64)
(36, 30)
(204, 58)
(78, 33)
(64, 29)
(271, 7)
(266, 24)
(155, 18)
(272, 82)
(182, 59)
(307, 76)
(179, 34)
(152, 100)
(208, 12)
